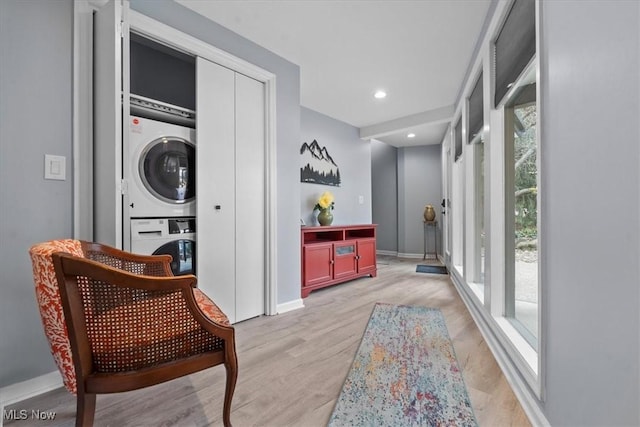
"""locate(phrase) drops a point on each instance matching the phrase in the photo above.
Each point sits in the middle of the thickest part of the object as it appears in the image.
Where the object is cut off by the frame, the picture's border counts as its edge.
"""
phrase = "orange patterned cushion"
(210, 308)
(50, 304)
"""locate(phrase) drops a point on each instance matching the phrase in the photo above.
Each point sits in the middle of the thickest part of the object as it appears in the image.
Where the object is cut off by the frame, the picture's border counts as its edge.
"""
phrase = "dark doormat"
(434, 269)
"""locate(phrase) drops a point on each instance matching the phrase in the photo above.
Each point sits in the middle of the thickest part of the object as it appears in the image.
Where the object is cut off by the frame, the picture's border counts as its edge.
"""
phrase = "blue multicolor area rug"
(405, 373)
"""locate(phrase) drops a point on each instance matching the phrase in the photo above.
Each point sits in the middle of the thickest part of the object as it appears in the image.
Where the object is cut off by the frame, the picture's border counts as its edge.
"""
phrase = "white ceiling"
(417, 51)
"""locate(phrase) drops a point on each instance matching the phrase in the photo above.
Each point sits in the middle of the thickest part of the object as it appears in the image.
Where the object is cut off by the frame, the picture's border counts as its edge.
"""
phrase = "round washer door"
(167, 169)
(183, 252)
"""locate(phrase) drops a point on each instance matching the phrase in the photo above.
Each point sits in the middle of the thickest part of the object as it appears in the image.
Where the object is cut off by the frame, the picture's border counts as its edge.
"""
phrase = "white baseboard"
(24, 390)
(383, 252)
(290, 306)
(408, 255)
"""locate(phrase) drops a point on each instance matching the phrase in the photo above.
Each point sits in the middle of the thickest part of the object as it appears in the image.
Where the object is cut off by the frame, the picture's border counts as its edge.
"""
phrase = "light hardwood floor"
(292, 366)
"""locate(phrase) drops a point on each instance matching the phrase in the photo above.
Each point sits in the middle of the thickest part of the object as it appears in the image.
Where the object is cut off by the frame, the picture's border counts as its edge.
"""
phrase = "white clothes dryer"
(161, 173)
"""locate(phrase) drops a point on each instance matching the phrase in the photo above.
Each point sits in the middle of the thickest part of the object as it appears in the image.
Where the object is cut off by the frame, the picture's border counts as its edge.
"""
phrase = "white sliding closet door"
(215, 183)
(250, 203)
(230, 189)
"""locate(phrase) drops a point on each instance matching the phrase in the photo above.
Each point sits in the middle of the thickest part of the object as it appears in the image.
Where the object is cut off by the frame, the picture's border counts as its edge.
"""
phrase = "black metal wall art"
(317, 166)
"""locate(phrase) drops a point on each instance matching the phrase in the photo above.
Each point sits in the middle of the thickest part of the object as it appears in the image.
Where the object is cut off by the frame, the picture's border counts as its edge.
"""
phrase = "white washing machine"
(167, 236)
(161, 174)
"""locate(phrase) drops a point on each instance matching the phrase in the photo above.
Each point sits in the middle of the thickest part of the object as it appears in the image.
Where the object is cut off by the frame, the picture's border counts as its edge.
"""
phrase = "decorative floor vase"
(325, 217)
(429, 213)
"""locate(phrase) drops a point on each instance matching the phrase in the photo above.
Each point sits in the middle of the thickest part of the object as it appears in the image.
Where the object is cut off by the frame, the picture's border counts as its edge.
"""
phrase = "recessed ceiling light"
(380, 94)
(411, 135)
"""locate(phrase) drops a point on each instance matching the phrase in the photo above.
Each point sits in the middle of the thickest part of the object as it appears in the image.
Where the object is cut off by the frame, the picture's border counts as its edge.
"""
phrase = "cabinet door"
(318, 264)
(344, 256)
(215, 186)
(366, 255)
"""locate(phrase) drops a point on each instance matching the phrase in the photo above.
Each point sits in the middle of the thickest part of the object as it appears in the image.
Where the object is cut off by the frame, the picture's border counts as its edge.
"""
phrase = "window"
(458, 139)
(476, 111)
(476, 236)
(457, 201)
(521, 203)
(478, 201)
(457, 215)
(515, 46)
(515, 90)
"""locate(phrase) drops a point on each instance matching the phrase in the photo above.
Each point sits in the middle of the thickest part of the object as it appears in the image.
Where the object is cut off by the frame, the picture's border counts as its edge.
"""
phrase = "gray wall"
(590, 253)
(35, 119)
(384, 194)
(36, 38)
(419, 184)
(353, 157)
(288, 125)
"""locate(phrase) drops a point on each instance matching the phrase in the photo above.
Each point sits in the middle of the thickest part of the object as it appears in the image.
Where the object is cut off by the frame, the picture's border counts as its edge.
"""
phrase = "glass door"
(167, 169)
(183, 252)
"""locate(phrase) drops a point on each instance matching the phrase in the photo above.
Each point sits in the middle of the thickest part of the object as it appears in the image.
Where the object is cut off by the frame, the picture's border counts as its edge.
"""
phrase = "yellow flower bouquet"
(325, 201)
(325, 205)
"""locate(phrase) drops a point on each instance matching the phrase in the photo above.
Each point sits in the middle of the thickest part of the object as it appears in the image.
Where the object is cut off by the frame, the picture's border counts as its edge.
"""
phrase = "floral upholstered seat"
(50, 305)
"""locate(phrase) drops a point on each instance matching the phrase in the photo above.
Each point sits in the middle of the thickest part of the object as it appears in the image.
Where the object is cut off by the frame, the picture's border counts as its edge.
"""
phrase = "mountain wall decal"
(317, 166)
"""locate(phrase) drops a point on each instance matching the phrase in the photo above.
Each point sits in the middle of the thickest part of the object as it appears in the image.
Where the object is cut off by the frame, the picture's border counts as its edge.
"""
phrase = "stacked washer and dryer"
(162, 191)
(160, 160)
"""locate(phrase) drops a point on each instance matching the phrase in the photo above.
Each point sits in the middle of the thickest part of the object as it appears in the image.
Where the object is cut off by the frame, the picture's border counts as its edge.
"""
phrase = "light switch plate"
(55, 167)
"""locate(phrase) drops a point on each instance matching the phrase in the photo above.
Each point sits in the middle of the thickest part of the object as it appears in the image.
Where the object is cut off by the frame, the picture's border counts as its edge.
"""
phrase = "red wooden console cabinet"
(335, 254)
